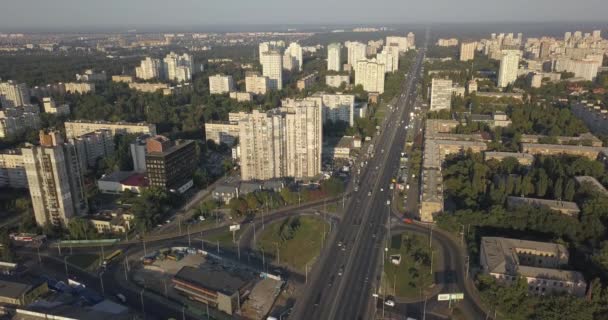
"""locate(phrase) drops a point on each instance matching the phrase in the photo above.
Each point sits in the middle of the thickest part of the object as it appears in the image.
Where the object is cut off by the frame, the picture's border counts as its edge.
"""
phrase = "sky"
(75, 14)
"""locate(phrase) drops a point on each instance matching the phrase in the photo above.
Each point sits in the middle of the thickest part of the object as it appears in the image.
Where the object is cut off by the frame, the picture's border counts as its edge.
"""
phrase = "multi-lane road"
(345, 280)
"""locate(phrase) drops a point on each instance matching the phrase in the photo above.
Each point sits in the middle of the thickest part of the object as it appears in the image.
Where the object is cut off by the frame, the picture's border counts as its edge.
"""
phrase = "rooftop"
(220, 281)
(563, 206)
(13, 289)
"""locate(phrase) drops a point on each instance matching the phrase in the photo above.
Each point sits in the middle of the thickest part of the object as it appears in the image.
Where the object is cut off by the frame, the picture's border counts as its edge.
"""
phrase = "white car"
(389, 302)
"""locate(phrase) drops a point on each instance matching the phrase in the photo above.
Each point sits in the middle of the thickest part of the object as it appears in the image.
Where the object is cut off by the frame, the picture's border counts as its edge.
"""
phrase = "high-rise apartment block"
(441, 94)
(171, 164)
(403, 43)
(173, 67)
(178, 68)
(256, 84)
(138, 153)
(370, 74)
(93, 146)
(467, 50)
(148, 69)
(334, 57)
(219, 84)
(292, 58)
(509, 63)
(264, 47)
(284, 142)
(15, 94)
(390, 57)
(586, 68)
(55, 180)
(272, 66)
(338, 107)
(356, 52)
(17, 120)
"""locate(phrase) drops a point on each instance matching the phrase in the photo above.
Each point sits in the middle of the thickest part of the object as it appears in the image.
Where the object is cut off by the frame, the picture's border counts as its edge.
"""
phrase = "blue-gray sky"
(35, 14)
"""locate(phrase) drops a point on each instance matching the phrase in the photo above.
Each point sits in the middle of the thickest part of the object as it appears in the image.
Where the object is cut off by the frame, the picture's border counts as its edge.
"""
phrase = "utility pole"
(466, 274)
(424, 310)
(306, 272)
(65, 262)
(103, 293)
(432, 254)
(141, 295)
(189, 242)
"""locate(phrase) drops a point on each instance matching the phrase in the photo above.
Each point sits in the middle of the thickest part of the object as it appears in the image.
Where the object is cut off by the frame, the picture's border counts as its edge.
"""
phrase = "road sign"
(443, 297)
(448, 296)
(235, 227)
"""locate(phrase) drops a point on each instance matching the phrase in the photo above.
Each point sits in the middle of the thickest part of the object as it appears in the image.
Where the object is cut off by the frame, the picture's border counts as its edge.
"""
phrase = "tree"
(570, 190)
(81, 229)
(149, 207)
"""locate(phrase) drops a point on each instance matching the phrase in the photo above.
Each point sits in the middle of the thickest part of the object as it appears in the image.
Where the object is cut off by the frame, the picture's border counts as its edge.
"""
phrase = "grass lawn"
(84, 261)
(298, 245)
(225, 239)
(413, 273)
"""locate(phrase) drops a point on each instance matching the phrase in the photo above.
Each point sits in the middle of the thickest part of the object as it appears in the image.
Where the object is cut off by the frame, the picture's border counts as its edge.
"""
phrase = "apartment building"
(55, 180)
(222, 132)
(370, 74)
(542, 264)
(17, 120)
(334, 57)
(285, 142)
(220, 84)
(336, 81)
(14, 94)
(77, 128)
(12, 169)
(51, 107)
(256, 84)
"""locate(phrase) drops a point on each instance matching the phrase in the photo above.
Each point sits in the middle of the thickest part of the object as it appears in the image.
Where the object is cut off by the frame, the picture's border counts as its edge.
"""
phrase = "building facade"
(77, 128)
(220, 84)
(256, 84)
(55, 180)
(467, 51)
(171, 164)
(15, 94)
(370, 74)
(334, 57)
(509, 64)
(272, 66)
(441, 94)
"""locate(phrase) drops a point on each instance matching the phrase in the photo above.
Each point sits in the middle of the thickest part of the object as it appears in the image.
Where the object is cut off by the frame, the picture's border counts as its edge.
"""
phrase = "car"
(369, 193)
(356, 188)
(389, 301)
(121, 297)
(341, 271)
(201, 218)
(381, 189)
(408, 221)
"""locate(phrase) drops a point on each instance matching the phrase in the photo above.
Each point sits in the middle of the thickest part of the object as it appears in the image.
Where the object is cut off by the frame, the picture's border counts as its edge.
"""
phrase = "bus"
(108, 259)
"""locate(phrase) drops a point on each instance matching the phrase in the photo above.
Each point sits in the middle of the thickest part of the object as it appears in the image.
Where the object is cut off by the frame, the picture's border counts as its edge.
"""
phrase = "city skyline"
(70, 14)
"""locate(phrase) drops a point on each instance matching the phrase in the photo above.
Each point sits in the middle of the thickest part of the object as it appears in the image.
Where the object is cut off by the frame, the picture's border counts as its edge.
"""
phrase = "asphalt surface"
(342, 285)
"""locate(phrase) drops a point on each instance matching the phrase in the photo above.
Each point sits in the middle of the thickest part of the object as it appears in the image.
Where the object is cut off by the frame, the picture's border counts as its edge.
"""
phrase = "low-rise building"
(558, 149)
(218, 289)
(123, 78)
(591, 181)
(438, 143)
(307, 81)
(585, 139)
(563, 207)
(91, 76)
(148, 87)
(540, 263)
(112, 221)
(121, 181)
(524, 159)
(78, 87)
(337, 80)
(226, 192)
(500, 95)
(241, 96)
(594, 116)
(79, 127)
(21, 294)
(51, 107)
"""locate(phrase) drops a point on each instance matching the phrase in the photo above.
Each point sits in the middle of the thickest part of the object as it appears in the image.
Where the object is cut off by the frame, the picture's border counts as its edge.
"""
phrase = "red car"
(408, 221)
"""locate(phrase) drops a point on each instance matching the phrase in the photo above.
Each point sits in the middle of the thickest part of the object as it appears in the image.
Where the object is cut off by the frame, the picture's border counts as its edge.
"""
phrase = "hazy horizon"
(192, 14)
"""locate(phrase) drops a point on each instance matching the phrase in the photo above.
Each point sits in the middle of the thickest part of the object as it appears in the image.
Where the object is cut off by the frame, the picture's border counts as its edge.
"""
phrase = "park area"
(298, 240)
(412, 276)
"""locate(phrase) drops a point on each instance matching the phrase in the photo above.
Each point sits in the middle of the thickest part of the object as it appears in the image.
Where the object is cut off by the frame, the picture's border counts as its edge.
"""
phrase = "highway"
(343, 282)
